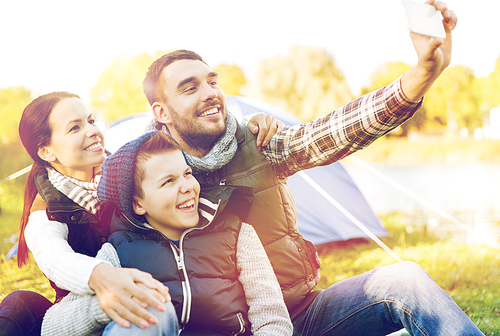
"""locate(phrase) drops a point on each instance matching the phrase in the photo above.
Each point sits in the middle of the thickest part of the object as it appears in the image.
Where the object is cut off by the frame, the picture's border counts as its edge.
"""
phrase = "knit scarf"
(82, 193)
(220, 154)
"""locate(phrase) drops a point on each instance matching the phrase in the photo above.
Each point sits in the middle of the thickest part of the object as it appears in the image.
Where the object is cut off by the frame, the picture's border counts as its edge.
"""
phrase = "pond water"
(469, 192)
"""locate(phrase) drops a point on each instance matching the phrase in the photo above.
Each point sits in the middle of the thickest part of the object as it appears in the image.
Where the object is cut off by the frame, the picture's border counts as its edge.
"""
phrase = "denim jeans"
(383, 301)
(21, 313)
(167, 325)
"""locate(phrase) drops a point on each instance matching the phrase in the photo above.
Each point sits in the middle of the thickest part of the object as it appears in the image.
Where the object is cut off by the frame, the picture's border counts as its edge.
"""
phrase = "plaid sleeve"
(340, 133)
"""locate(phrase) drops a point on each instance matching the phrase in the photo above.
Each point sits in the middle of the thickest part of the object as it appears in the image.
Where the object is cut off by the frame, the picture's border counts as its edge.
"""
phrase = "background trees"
(13, 156)
(306, 82)
(452, 103)
(231, 79)
(118, 91)
(13, 100)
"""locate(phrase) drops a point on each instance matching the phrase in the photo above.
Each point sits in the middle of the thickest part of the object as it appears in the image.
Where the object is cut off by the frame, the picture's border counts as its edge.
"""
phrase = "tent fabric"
(318, 220)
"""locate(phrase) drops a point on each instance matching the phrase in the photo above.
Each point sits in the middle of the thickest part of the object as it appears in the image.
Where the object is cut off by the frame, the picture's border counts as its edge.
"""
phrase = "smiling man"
(205, 123)
(188, 103)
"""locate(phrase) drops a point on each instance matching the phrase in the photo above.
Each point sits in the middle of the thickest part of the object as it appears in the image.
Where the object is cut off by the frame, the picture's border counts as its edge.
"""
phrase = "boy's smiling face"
(170, 194)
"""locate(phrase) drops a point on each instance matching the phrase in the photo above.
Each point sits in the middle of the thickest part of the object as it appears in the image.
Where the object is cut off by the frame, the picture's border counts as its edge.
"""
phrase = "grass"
(470, 274)
(13, 278)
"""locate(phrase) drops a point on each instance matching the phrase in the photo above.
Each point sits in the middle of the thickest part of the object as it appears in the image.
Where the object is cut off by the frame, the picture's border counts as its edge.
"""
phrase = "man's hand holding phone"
(424, 19)
(433, 51)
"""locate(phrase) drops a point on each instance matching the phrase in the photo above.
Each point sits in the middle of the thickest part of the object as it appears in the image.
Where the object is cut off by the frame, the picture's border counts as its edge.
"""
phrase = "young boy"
(219, 277)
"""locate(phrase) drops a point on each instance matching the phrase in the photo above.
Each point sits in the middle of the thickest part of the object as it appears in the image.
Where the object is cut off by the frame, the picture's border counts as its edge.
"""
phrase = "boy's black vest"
(218, 301)
(87, 232)
(274, 217)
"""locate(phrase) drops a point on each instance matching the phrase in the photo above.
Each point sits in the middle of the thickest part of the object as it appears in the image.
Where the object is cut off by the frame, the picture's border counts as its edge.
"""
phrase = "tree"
(13, 100)
(306, 82)
(453, 100)
(488, 88)
(384, 75)
(451, 103)
(118, 91)
(231, 78)
(13, 155)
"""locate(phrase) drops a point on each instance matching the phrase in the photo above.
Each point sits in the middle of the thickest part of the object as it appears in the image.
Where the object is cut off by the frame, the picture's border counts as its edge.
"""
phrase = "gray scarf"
(220, 154)
(82, 193)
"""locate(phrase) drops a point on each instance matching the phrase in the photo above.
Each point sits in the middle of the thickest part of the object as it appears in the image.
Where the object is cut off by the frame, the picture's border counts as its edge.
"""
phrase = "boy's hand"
(266, 126)
(125, 293)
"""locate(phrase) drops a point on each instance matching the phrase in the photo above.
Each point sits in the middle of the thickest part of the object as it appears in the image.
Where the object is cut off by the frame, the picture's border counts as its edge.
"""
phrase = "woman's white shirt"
(48, 242)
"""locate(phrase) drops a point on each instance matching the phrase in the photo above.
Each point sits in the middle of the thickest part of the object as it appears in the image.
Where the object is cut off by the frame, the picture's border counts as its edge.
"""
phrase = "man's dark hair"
(152, 85)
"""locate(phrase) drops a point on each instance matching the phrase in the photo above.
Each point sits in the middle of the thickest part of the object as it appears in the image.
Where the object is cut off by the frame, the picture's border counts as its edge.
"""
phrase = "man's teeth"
(94, 146)
(210, 112)
(186, 205)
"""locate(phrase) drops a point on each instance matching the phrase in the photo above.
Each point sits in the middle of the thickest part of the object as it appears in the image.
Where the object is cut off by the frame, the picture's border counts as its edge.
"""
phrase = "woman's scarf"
(82, 193)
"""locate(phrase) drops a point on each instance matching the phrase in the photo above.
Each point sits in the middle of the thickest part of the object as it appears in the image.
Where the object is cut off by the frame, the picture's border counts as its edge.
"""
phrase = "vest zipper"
(242, 324)
(186, 288)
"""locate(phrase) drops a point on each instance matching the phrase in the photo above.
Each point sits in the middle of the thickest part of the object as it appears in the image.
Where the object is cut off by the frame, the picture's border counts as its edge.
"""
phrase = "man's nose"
(208, 92)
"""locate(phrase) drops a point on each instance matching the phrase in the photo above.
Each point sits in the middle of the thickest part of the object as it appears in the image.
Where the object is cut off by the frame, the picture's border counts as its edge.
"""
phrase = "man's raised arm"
(434, 55)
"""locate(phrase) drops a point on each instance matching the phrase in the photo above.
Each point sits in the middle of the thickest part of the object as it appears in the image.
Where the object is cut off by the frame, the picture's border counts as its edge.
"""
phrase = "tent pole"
(346, 213)
(16, 174)
(417, 198)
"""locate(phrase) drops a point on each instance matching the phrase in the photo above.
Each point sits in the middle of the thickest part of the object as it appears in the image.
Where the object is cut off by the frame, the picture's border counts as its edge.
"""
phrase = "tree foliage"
(453, 100)
(231, 78)
(488, 88)
(451, 103)
(14, 157)
(13, 100)
(118, 91)
(306, 82)
(384, 75)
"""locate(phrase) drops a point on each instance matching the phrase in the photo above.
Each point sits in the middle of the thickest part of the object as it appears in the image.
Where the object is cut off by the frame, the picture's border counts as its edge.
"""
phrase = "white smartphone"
(423, 19)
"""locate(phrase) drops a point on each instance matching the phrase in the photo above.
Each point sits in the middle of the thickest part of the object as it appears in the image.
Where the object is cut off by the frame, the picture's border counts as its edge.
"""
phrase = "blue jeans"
(167, 325)
(383, 301)
(21, 313)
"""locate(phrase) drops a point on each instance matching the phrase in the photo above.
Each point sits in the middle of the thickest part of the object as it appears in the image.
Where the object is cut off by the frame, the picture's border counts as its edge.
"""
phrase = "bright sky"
(65, 45)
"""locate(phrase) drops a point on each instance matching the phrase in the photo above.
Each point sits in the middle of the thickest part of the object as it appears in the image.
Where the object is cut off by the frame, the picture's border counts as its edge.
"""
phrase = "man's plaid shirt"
(340, 133)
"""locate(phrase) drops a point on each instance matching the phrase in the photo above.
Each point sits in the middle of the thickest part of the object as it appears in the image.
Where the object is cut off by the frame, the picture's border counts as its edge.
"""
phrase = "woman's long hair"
(35, 132)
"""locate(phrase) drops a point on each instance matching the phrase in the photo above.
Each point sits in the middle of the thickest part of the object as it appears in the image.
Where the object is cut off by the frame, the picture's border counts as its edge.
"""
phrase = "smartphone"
(423, 19)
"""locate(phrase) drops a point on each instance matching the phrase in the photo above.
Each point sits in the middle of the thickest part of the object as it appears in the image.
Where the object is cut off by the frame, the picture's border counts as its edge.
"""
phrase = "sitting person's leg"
(167, 325)
(21, 313)
(382, 301)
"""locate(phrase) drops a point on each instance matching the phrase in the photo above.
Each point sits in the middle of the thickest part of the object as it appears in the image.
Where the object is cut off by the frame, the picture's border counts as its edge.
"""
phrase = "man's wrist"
(417, 81)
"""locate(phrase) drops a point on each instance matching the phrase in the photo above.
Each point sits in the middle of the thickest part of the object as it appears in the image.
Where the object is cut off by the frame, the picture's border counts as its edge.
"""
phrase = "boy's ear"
(137, 206)
(45, 154)
(161, 113)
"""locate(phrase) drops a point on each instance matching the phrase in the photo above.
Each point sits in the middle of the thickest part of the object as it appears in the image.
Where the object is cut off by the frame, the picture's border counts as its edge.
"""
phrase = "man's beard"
(198, 138)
